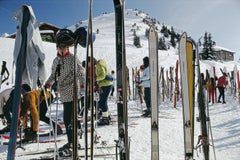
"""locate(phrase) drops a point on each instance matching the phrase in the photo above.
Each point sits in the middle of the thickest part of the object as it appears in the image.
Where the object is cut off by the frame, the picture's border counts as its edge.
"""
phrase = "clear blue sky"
(218, 17)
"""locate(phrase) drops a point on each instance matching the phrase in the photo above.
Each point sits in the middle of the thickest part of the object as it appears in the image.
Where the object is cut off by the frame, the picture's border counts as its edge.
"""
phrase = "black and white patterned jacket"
(65, 79)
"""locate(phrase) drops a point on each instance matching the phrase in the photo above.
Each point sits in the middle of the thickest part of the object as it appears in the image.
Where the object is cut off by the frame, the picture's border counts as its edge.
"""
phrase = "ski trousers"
(68, 119)
(147, 97)
(221, 93)
(104, 93)
(30, 103)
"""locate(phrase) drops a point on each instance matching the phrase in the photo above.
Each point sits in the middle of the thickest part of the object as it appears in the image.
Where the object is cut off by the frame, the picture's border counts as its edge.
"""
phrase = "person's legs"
(104, 97)
(67, 118)
(7, 108)
(220, 93)
(103, 105)
(223, 95)
(147, 99)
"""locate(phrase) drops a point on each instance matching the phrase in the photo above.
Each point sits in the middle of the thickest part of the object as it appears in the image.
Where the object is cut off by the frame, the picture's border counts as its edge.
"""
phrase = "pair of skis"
(187, 55)
(121, 76)
(153, 64)
(187, 65)
(89, 85)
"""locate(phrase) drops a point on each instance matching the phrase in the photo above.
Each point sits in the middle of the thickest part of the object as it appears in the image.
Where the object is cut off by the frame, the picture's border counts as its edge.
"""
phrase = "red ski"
(176, 91)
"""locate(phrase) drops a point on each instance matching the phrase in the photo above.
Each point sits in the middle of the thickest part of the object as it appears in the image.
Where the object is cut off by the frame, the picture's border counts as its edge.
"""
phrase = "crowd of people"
(213, 83)
(34, 102)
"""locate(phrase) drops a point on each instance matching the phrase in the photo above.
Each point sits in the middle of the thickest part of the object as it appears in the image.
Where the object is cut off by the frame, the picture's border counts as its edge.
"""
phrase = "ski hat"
(80, 35)
(65, 37)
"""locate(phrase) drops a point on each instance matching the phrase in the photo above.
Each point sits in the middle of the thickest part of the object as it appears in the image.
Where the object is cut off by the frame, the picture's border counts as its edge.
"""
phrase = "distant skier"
(114, 83)
(211, 90)
(221, 85)
(145, 82)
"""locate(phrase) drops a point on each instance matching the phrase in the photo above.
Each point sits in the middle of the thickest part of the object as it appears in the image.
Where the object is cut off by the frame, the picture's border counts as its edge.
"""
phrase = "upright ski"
(215, 79)
(203, 139)
(176, 90)
(186, 61)
(153, 58)
(121, 81)
(20, 66)
(91, 83)
(238, 84)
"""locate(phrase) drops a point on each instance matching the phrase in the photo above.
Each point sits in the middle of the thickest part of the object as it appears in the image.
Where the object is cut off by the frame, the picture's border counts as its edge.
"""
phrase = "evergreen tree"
(207, 52)
(164, 31)
(162, 44)
(147, 33)
(136, 41)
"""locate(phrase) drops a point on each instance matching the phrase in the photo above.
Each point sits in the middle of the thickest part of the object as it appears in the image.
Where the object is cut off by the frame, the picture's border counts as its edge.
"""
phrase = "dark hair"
(84, 64)
(146, 62)
(94, 60)
(26, 87)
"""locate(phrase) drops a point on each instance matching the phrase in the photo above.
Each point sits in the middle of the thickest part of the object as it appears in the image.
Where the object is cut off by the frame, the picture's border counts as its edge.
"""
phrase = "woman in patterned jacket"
(62, 73)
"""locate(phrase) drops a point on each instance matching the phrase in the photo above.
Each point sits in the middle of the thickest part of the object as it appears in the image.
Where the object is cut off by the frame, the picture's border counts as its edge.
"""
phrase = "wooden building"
(220, 54)
(47, 31)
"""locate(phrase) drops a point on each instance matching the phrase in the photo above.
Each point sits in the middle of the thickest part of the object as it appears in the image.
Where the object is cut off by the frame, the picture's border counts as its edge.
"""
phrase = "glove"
(109, 77)
(138, 82)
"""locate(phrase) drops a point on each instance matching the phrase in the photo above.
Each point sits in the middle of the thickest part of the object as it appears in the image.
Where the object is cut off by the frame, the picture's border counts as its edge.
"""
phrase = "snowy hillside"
(224, 117)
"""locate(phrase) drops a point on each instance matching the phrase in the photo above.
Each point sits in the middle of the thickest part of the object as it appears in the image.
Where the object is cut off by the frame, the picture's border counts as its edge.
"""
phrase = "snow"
(224, 117)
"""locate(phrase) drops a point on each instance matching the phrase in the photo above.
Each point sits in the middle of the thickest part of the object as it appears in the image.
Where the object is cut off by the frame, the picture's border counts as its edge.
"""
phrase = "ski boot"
(30, 135)
(147, 113)
(103, 121)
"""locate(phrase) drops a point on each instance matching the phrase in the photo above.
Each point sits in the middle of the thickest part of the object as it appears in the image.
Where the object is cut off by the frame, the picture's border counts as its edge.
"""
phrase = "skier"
(211, 90)
(7, 108)
(104, 86)
(30, 103)
(221, 85)
(145, 82)
(62, 72)
(114, 83)
(4, 96)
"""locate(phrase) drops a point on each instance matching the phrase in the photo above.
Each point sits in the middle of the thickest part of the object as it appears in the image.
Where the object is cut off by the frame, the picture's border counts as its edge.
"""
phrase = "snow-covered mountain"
(4, 35)
(224, 118)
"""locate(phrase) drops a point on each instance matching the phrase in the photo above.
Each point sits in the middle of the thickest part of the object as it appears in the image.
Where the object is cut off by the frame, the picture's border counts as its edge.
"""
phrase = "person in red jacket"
(221, 85)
